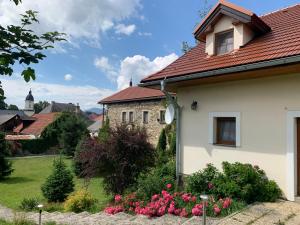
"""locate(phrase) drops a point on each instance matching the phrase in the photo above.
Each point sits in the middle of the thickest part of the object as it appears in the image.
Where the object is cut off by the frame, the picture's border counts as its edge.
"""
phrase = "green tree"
(12, 107)
(18, 43)
(59, 184)
(72, 130)
(162, 141)
(5, 165)
(104, 131)
(38, 107)
(3, 105)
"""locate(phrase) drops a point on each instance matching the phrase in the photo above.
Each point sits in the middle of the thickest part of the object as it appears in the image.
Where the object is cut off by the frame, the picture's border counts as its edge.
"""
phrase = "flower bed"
(175, 203)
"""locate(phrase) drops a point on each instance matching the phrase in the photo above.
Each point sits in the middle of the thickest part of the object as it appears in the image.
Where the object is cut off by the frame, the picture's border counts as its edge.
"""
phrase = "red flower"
(184, 213)
(169, 186)
(210, 186)
(197, 211)
(118, 198)
(217, 210)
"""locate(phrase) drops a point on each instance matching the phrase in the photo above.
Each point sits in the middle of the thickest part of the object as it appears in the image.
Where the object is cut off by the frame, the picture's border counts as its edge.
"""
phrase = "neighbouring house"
(10, 119)
(139, 106)
(61, 107)
(244, 77)
(96, 125)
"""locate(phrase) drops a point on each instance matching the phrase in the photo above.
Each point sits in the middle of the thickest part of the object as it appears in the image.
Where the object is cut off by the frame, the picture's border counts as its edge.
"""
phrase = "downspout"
(171, 100)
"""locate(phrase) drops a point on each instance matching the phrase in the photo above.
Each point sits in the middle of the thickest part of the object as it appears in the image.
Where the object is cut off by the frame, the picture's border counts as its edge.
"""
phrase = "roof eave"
(132, 100)
(224, 71)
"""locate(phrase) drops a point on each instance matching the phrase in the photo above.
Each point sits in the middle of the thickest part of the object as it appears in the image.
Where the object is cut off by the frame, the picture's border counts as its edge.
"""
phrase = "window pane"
(224, 42)
(123, 117)
(145, 117)
(131, 117)
(162, 116)
(226, 131)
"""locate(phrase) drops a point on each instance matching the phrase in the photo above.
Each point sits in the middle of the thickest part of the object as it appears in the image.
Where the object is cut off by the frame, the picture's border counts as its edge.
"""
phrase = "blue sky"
(109, 42)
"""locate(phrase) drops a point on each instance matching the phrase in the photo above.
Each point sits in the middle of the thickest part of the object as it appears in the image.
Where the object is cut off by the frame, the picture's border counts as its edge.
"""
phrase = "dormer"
(228, 27)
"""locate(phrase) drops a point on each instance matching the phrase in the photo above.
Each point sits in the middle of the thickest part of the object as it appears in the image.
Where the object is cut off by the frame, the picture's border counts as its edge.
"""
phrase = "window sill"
(224, 145)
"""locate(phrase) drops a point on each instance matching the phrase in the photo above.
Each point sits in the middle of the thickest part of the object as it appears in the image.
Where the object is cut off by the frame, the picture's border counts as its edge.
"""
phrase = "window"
(225, 128)
(145, 117)
(130, 117)
(124, 115)
(226, 131)
(224, 42)
(162, 118)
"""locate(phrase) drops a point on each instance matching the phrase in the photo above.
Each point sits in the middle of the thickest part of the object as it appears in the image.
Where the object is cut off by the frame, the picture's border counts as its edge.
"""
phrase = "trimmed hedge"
(35, 146)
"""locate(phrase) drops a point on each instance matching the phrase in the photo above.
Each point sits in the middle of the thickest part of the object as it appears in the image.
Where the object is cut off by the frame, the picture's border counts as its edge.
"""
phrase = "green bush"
(79, 201)
(59, 184)
(238, 181)
(201, 181)
(156, 180)
(35, 146)
(29, 204)
(5, 165)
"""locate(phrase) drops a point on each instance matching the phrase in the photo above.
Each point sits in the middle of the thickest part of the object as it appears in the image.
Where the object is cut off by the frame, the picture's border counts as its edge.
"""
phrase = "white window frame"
(143, 116)
(212, 126)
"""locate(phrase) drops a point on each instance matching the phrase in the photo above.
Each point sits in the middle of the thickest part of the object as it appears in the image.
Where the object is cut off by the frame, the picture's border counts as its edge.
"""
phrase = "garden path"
(282, 212)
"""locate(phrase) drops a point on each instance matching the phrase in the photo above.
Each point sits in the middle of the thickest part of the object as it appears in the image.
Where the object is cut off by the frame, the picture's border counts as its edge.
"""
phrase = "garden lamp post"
(40, 207)
(204, 198)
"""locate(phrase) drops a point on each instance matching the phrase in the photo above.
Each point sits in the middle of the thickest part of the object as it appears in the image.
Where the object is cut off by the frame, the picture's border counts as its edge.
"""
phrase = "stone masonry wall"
(154, 127)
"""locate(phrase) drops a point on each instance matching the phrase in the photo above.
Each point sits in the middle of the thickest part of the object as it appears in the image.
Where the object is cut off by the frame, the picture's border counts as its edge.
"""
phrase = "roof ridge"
(278, 10)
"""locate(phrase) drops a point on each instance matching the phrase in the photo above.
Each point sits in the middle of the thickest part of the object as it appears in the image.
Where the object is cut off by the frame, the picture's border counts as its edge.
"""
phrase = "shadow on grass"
(16, 180)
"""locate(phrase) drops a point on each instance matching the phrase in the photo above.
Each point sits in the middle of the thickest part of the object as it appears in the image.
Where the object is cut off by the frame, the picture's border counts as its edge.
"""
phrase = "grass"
(28, 176)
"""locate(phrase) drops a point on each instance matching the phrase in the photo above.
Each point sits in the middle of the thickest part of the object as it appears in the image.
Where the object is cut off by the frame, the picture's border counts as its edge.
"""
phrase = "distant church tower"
(29, 104)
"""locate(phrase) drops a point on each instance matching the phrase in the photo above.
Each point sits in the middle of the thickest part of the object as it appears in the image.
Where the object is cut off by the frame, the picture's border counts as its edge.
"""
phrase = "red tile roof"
(42, 121)
(133, 94)
(282, 41)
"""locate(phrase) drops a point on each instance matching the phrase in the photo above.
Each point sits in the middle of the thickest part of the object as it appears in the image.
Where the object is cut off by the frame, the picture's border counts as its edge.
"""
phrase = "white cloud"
(87, 96)
(123, 29)
(104, 65)
(68, 77)
(147, 34)
(80, 19)
(137, 67)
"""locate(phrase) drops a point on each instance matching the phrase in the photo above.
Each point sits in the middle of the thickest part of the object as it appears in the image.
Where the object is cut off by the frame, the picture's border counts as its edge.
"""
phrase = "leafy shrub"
(201, 181)
(72, 131)
(124, 155)
(79, 201)
(154, 181)
(5, 165)
(59, 184)
(35, 146)
(239, 181)
(104, 131)
(65, 131)
(29, 204)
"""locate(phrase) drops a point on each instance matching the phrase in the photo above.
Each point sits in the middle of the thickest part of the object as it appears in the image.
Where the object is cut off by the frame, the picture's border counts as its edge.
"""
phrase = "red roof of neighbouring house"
(282, 41)
(133, 94)
(41, 122)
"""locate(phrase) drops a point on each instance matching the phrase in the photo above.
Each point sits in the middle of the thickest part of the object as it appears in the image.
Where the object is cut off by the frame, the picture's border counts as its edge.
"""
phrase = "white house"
(244, 75)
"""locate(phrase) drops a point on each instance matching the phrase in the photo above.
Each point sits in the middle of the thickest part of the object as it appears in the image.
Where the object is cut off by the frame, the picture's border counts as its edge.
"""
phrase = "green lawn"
(28, 176)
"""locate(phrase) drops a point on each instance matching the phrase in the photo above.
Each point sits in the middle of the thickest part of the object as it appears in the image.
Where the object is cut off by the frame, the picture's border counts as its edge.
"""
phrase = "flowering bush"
(179, 204)
(79, 201)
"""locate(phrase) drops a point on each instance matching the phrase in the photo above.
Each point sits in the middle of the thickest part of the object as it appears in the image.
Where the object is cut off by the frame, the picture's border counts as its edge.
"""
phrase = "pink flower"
(194, 199)
(186, 197)
(226, 203)
(177, 212)
(118, 198)
(184, 213)
(210, 186)
(217, 210)
(169, 186)
(196, 211)
(155, 197)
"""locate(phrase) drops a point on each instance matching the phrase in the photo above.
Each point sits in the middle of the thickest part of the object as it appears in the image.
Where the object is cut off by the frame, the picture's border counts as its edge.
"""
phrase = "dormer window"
(224, 42)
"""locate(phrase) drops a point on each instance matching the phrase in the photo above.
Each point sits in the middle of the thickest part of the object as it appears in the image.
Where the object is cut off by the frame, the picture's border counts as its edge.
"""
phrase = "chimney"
(130, 83)
(77, 110)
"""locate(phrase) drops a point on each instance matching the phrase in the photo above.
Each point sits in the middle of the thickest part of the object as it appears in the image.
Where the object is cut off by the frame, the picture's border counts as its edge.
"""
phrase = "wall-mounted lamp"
(194, 105)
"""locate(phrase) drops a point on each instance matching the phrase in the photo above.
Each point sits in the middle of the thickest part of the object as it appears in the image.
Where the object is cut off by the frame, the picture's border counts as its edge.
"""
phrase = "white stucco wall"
(263, 105)
(241, 34)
